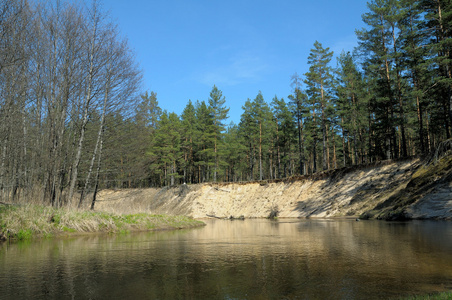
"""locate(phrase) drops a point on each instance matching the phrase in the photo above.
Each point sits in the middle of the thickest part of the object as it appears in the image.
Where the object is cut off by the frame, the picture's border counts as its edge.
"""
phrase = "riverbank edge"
(37, 221)
(434, 296)
(395, 191)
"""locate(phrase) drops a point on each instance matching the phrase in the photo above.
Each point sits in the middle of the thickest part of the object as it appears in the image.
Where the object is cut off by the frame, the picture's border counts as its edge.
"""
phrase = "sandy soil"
(344, 193)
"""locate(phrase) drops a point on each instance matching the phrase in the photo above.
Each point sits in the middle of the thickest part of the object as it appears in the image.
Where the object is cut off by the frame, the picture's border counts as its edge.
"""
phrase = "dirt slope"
(391, 191)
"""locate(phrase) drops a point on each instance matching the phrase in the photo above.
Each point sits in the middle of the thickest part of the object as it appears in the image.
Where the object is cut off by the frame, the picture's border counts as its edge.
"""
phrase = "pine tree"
(394, 16)
(219, 113)
(319, 84)
(374, 43)
(351, 109)
(285, 132)
(255, 126)
(298, 100)
(234, 154)
(262, 115)
(248, 130)
(413, 41)
(147, 113)
(147, 116)
(204, 141)
(438, 23)
(189, 134)
(166, 151)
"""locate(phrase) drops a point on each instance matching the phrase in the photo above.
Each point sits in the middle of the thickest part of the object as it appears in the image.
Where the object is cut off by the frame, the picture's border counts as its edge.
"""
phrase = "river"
(251, 259)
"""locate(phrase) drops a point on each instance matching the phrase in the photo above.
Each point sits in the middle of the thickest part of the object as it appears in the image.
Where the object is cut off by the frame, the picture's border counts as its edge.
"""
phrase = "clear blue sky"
(184, 47)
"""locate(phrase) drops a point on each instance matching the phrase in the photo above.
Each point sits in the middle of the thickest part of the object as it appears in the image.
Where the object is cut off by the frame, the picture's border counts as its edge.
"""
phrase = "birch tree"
(92, 66)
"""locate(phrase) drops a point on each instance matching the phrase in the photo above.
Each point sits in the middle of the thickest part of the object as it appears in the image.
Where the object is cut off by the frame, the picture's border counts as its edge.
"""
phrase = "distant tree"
(319, 89)
(255, 126)
(247, 129)
(219, 113)
(285, 132)
(234, 155)
(144, 123)
(165, 152)
(189, 136)
(148, 112)
(298, 100)
(204, 141)
(352, 109)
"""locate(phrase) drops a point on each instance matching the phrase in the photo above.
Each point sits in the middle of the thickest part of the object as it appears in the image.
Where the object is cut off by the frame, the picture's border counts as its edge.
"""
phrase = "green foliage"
(352, 110)
(67, 229)
(319, 82)
(189, 135)
(219, 113)
(234, 154)
(24, 234)
(166, 151)
(388, 98)
(148, 111)
(255, 126)
(285, 135)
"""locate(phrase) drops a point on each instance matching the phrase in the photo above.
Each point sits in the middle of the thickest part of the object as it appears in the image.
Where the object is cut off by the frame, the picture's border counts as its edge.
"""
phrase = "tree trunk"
(344, 154)
(96, 148)
(278, 152)
(260, 152)
(86, 105)
(399, 96)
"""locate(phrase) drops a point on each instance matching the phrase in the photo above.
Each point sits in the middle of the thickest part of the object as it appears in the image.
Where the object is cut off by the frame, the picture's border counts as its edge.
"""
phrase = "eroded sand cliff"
(406, 189)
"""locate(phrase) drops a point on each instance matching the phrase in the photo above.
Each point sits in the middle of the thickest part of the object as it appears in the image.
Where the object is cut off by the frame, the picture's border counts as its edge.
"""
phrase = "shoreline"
(395, 191)
(38, 221)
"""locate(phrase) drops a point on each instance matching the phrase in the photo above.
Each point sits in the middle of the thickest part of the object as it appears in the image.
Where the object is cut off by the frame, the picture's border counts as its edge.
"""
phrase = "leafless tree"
(62, 64)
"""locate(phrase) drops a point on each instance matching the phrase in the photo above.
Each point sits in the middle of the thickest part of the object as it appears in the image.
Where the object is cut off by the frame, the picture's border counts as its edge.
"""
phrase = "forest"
(74, 120)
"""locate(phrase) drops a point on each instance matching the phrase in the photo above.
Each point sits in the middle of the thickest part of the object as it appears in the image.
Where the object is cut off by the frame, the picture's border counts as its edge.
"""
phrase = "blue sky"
(184, 47)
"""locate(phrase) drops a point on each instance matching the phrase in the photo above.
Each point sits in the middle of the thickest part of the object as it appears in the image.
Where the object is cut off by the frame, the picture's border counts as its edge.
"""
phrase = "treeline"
(391, 98)
(71, 121)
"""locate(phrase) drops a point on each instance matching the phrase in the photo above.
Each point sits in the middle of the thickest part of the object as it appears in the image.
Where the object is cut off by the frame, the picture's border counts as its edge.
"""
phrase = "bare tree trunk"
(97, 146)
(99, 159)
(86, 104)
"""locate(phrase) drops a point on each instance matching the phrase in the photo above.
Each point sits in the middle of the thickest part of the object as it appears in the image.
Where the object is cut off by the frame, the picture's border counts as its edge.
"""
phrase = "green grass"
(28, 221)
(24, 234)
(438, 296)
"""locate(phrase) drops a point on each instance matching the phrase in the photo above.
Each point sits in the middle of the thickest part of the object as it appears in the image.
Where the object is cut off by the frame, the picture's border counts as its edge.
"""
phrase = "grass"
(29, 221)
(438, 296)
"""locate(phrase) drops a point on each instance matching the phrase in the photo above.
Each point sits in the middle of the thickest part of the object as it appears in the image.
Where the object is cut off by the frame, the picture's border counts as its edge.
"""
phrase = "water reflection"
(251, 259)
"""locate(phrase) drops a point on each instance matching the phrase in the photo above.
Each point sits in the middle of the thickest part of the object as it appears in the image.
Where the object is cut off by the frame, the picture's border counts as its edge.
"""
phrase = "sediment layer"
(391, 190)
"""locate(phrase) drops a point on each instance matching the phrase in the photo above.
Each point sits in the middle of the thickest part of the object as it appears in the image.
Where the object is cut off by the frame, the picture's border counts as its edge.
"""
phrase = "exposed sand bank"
(396, 190)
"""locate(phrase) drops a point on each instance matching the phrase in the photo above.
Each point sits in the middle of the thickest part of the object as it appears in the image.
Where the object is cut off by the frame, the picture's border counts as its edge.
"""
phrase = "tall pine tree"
(219, 113)
(319, 89)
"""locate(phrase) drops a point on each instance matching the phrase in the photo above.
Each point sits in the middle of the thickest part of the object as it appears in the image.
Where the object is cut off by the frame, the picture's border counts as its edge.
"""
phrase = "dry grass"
(127, 201)
(27, 221)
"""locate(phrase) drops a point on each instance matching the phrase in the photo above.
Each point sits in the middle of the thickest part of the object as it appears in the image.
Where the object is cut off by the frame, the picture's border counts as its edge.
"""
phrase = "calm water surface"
(251, 259)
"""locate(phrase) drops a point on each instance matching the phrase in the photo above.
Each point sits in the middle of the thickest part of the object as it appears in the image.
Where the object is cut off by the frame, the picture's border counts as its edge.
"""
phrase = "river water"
(251, 259)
